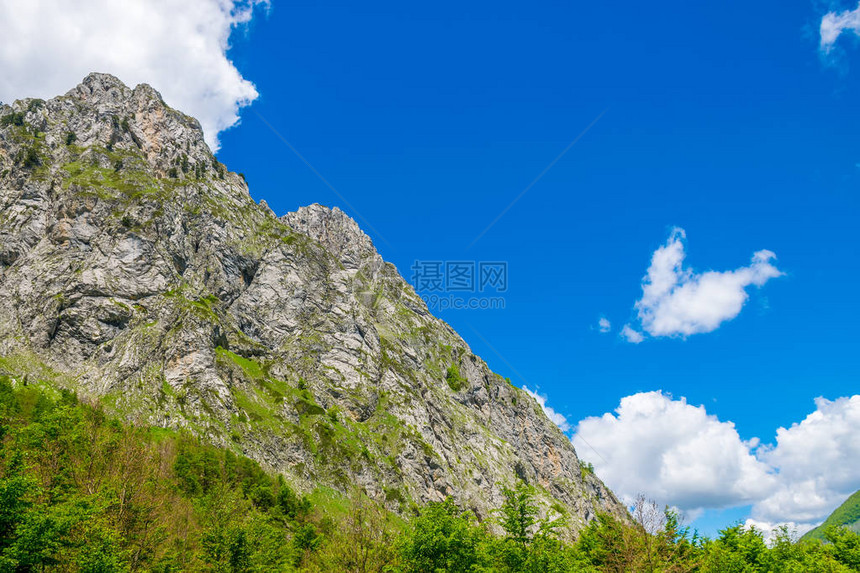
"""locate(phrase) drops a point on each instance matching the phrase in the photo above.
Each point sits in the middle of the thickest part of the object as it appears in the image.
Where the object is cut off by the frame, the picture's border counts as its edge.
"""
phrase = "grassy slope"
(846, 514)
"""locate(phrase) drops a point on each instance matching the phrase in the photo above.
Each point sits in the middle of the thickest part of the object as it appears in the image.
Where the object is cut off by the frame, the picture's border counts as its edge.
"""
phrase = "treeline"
(81, 492)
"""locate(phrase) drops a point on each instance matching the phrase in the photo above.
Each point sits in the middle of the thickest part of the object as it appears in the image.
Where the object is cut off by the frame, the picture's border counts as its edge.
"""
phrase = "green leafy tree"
(608, 544)
(16, 493)
(360, 543)
(530, 542)
(787, 555)
(518, 514)
(738, 549)
(442, 538)
(844, 546)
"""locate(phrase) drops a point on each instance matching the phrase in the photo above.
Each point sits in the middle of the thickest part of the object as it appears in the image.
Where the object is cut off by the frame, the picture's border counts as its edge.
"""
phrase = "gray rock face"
(137, 270)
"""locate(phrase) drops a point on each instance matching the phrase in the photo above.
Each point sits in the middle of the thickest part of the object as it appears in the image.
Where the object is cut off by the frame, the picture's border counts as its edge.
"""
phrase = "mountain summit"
(136, 270)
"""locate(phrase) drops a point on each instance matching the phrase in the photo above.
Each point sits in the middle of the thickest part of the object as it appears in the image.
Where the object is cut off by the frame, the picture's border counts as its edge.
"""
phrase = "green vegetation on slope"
(82, 492)
(847, 514)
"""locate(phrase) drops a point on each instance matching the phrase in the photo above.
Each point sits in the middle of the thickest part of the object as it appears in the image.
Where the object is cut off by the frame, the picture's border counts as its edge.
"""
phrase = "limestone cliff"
(137, 270)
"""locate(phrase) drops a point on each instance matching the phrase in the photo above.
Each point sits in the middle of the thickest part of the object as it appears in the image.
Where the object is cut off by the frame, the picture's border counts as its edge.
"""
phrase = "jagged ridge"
(135, 268)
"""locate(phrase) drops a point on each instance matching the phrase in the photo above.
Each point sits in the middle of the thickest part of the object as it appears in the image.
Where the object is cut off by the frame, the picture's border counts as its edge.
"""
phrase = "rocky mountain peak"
(105, 89)
(137, 271)
(337, 232)
(112, 121)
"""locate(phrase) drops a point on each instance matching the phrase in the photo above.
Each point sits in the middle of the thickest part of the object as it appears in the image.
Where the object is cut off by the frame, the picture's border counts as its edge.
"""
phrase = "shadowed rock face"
(136, 269)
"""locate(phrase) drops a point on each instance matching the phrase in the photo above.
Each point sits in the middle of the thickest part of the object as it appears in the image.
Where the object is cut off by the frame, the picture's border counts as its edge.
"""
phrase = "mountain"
(136, 270)
(847, 514)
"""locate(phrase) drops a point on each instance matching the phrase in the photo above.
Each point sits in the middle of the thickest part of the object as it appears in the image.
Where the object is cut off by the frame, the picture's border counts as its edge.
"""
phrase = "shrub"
(453, 378)
(13, 118)
(585, 468)
(29, 157)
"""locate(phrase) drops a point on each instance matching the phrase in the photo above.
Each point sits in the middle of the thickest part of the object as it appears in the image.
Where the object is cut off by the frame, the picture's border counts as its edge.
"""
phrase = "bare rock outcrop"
(137, 270)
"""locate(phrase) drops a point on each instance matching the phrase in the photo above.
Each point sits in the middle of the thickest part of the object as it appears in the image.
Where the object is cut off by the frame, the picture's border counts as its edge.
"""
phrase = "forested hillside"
(81, 491)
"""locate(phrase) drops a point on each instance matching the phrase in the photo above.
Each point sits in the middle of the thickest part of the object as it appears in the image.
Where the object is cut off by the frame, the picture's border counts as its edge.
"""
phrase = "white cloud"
(631, 335)
(770, 529)
(818, 461)
(673, 452)
(178, 46)
(603, 325)
(679, 302)
(679, 455)
(834, 23)
(556, 418)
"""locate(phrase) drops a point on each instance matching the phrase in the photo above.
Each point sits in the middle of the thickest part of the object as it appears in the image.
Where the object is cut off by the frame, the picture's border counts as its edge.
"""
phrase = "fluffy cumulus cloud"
(675, 453)
(679, 302)
(833, 24)
(818, 461)
(177, 46)
(679, 455)
(558, 419)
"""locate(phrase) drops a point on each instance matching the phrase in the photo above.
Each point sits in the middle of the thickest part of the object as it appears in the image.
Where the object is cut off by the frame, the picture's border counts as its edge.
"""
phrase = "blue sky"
(728, 121)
